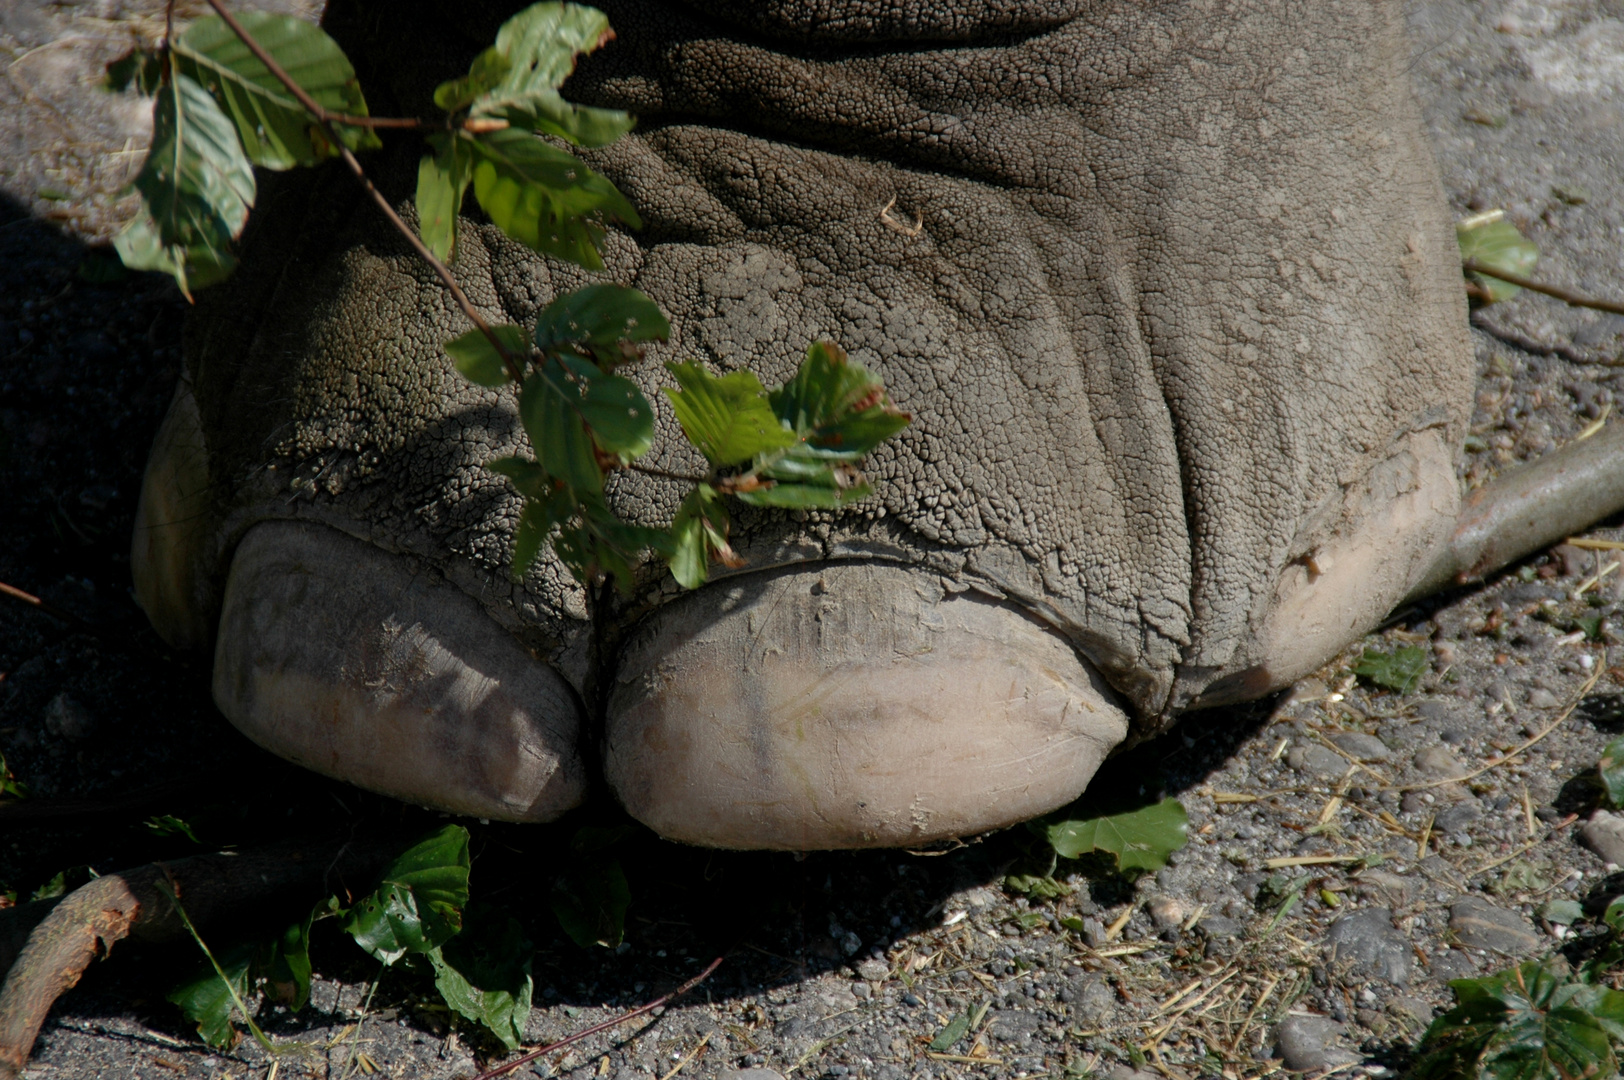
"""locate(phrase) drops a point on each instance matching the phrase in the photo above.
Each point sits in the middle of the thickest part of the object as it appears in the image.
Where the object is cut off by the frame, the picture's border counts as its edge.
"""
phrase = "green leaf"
(729, 418)
(838, 408)
(1399, 670)
(1140, 839)
(543, 197)
(1611, 769)
(9, 784)
(590, 894)
(486, 72)
(1614, 915)
(536, 521)
(284, 965)
(954, 1030)
(139, 67)
(207, 999)
(418, 905)
(139, 247)
(598, 319)
(606, 544)
(528, 478)
(442, 179)
(1496, 245)
(1043, 886)
(539, 46)
(699, 534)
(1561, 912)
(276, 131)
(170, 825)
(484, 974)
(556, 431)
(1531, 1021)
(477, 359)
(836, 489)
(196, 183)
(621, 419)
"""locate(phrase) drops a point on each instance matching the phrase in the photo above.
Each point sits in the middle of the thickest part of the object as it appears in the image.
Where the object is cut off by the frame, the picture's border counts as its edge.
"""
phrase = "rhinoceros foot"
(1169, 290)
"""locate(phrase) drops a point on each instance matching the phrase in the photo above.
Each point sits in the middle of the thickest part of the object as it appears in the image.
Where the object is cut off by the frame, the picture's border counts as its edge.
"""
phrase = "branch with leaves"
(260, 90)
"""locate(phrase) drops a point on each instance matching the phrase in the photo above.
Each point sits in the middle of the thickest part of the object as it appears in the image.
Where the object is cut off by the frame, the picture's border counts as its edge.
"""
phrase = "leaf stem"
(1572, 299)
(502, 1070)
(515, 368)
(259, 1036)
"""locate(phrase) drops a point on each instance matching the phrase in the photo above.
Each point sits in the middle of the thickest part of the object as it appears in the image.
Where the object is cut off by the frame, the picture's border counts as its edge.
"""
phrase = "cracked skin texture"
(1180, 319)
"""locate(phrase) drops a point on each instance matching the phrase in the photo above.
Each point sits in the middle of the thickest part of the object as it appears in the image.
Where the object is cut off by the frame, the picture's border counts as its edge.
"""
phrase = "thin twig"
(683, 1064)
(514, 368)
(1571, 299)
(47, 609)
(502, 1070)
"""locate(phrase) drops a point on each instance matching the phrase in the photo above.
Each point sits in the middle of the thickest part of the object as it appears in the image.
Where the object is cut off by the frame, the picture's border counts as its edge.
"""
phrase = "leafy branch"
(234, 92)
(1496, 259)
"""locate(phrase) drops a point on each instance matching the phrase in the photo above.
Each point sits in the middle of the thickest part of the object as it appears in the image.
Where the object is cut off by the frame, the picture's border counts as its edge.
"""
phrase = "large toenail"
(368, 667)
(849, 705)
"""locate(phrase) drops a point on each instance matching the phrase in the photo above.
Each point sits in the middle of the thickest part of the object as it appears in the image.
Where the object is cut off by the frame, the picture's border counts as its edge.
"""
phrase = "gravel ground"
(1422, 834)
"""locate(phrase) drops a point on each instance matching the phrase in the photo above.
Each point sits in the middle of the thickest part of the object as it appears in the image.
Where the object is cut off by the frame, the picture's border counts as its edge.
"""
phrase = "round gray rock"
(1366, 943)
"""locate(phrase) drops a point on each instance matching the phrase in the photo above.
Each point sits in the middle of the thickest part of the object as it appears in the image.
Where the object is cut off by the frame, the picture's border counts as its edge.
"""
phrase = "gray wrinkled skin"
(1167, 287)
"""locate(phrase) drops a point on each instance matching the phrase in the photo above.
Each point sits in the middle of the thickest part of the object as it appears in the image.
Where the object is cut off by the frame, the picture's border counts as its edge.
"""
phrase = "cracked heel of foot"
(361, 665)
(1392, 527)
(846, 706)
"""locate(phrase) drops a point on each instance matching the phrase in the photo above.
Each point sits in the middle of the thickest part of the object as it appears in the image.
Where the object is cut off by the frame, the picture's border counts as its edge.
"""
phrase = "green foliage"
(218, 111)
(602, 323)
(1608, 954)
(1611, 770)
(196, 187)
(590, 893)
(544, 197)
(484, 973)
(1496, 245)
(1533, 1022)
(728, 418)
(208, 999)
(284, 965)
(10, 786)
(482, 969)
(1140, 839)
(537, 50)
(957, 1028)
(170, 825)
(477, 359)
(1038, 886)
(1399, 670)
(275, 130)
(699, 534)
(541, 196)
(138, 68)
(839, 412)
(418, 904)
